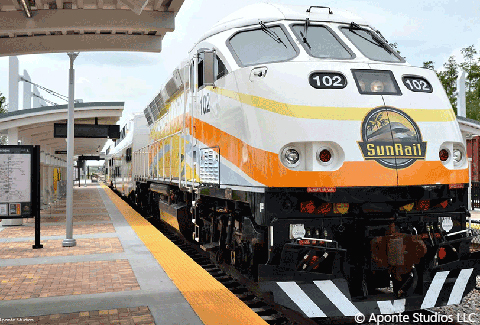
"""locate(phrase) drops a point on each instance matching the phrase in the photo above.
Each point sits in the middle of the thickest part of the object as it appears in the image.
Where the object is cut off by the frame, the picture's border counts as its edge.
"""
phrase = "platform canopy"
(36, 125)
(46, 26)
(468, 126)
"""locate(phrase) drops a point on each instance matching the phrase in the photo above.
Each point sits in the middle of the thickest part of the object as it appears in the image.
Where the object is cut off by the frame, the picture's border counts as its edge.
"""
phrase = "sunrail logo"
(391, 138)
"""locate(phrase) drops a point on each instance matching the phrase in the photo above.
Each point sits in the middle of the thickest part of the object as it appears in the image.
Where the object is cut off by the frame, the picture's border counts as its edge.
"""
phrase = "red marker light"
(325, 155)
(307, 207)
(423, 205)
(442, 253)
(443, 155)
(324, 208)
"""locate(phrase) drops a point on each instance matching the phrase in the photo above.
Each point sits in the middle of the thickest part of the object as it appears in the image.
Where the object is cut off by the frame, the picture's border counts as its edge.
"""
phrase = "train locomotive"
(299, 147)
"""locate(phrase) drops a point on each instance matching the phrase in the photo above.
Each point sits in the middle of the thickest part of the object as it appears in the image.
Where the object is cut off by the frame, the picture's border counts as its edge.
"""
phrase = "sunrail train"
(299, 147)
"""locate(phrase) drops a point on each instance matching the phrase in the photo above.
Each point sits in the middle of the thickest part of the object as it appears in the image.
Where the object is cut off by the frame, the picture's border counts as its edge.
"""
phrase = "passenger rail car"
(118, 162)
(302, 149)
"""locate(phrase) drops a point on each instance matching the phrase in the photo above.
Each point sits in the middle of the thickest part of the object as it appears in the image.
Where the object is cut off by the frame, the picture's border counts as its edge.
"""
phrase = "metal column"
(69, 241)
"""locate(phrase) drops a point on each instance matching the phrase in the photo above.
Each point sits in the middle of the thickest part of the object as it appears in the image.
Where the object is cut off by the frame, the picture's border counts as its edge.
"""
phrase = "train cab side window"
(192, 84)
(220, 68)
(200, 71)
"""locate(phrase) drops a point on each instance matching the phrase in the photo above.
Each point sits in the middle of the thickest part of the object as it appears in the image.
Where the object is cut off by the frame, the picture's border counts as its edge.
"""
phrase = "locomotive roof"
(268, 12)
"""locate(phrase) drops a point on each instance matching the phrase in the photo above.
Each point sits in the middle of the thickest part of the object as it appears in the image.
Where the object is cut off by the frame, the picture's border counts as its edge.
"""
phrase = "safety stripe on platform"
(210, 300)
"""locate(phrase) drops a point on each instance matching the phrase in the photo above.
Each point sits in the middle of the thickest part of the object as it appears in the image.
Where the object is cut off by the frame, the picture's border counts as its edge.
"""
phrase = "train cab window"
(220, 68)
(205, 67)
(192, 84)
(200, 71)
(263, 45)
(370, 44)
(320, 42)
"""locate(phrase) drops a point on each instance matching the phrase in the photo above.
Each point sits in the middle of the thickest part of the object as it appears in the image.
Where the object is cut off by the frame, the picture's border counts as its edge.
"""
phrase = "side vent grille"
(210, 165)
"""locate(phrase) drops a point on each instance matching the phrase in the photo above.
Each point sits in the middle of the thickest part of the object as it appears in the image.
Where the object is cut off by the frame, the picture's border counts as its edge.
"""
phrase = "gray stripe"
(434, 289)
(459, 287)
(337, 297)
(300, 298)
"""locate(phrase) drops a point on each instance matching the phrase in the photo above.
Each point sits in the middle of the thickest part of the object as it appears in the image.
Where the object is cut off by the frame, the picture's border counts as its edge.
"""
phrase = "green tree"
(2, 104)
(472, 88)
(448, 77)
(428, 65)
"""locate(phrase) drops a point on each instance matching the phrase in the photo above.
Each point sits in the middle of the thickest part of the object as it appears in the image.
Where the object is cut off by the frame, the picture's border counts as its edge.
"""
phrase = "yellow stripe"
(329, 113)
(212, 302)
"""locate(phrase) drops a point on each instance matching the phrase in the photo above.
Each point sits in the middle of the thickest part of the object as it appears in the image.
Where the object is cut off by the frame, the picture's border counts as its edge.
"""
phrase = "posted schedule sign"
(15, 181)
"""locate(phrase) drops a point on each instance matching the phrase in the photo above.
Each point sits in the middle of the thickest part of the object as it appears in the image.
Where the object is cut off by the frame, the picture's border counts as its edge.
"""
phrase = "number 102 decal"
(417, 84)
(327, 80)
(205, 104)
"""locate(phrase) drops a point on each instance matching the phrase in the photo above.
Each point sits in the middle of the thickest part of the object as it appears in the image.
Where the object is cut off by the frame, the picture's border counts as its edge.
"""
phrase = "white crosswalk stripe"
(434, 289)
(387, 307)
(301, 299)
(334, 294)
(459, 287)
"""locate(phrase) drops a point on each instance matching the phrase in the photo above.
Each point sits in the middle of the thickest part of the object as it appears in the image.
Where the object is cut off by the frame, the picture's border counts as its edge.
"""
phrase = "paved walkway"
(109, 277)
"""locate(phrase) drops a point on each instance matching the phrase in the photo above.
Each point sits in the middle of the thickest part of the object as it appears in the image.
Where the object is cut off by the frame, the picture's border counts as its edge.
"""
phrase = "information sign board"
(15, 181)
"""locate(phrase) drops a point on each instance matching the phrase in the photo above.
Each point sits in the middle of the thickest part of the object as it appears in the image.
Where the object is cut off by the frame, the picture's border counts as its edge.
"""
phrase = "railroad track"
(262, 304)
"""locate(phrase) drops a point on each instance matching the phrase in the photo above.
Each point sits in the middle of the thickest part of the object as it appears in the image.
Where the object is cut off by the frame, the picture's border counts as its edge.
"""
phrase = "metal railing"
(149, 164)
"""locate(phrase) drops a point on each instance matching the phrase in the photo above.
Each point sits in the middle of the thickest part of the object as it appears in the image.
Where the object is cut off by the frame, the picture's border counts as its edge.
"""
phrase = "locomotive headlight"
(376, 82)
(457, 155)
(361, 83)
(377, 86)
(297, 231)
(290, 157)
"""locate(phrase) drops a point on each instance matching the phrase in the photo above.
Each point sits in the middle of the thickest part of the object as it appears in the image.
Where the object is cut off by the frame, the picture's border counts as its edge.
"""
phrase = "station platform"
(122, 271)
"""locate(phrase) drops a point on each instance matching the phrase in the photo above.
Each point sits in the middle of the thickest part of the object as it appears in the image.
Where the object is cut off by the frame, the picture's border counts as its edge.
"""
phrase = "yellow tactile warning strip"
(49, 280)
(120, 316)
(212, 302)
(29, 231)
(85, 246)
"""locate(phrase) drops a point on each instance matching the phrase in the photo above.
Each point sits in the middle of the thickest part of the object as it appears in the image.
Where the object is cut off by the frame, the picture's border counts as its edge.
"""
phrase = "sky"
(424, 30)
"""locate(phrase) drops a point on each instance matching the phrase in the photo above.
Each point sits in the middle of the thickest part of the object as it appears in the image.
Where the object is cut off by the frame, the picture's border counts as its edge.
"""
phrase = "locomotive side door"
(208, 154)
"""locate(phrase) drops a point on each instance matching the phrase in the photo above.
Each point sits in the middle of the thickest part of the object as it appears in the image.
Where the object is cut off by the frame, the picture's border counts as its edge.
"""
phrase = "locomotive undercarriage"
(384, 242)
(388, 244)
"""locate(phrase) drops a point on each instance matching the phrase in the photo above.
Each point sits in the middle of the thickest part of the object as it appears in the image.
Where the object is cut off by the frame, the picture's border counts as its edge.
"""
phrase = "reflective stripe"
(387, 307)
(434, 289)
(459, 287)
(334, 294)
(300, 298)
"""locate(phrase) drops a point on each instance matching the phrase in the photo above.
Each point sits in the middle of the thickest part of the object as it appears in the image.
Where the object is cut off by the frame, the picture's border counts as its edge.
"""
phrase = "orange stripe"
(266, 168)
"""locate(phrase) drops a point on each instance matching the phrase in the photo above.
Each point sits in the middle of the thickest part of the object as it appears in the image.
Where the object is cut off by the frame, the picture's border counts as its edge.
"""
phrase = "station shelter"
(35, 126)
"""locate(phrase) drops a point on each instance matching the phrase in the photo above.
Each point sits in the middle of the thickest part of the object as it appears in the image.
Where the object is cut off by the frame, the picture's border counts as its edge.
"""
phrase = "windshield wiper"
(378, 42)
(272, 34)
(304, 37)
